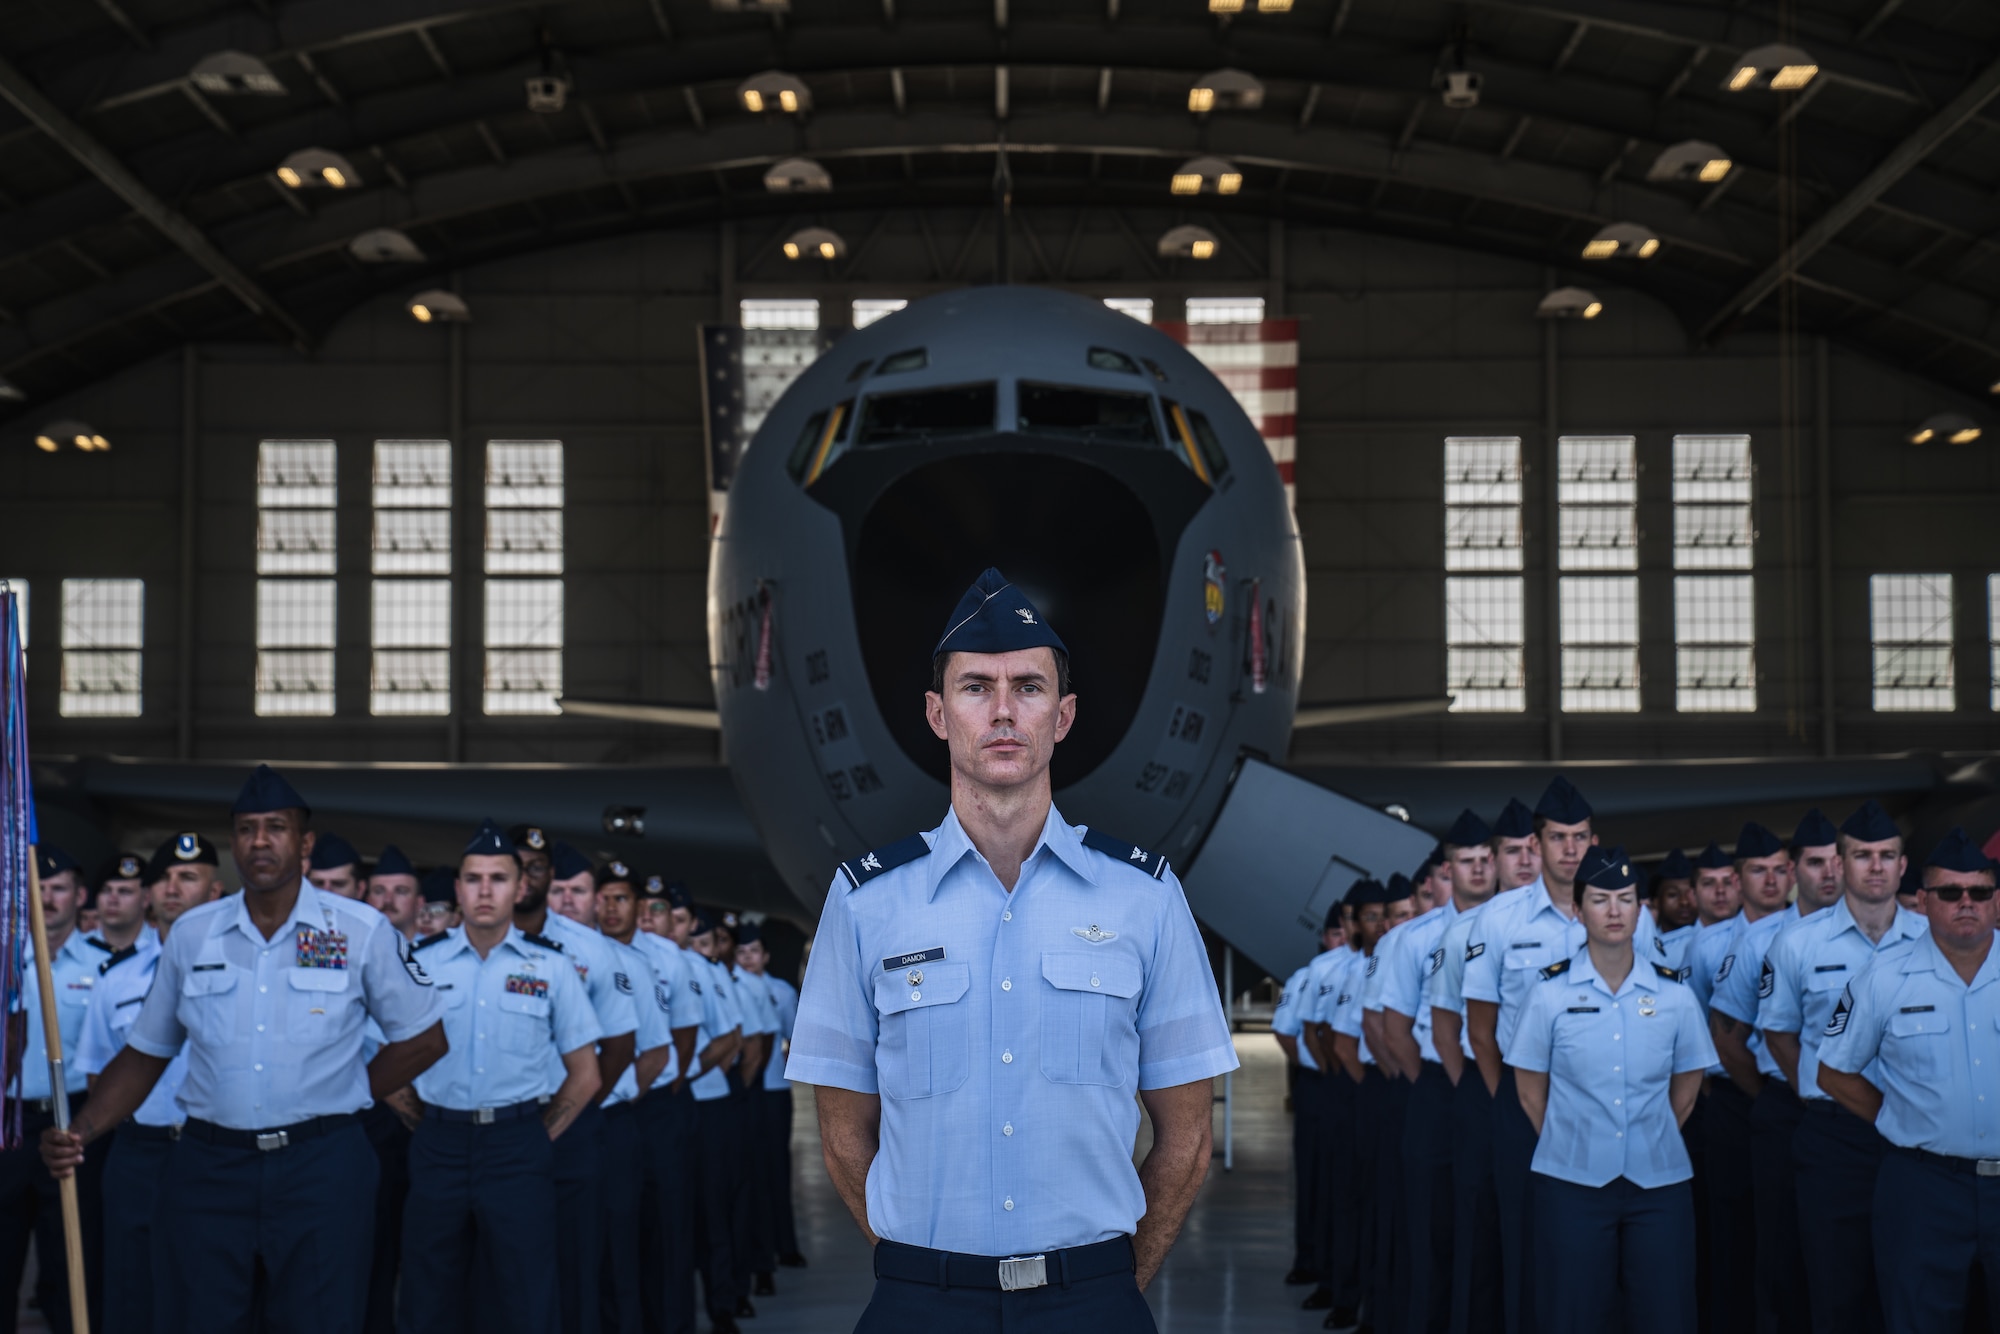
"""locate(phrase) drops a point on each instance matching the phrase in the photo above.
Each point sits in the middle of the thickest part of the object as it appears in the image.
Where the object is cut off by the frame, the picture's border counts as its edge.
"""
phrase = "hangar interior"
(1805, 315)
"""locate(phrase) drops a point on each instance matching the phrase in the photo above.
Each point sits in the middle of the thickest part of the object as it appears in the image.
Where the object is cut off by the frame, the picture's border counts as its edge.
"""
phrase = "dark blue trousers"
(1427, 1201)
(1732, 1209)
(1346, 1190)
(133, 1171)
(1392, 1251)
(1838, 1156)
(720, 1139)
(1933, 1223)
(287, 1232)
(579, 1214)
(1513, 1189)
(1475, 1230)
(777, 1151)
(31, 1210)
(1781, 1271)
(1108, 1305)
(1614, 1257)
(1309, 1098)
(1694, 1136)
(621, 1185)
(1368, 1116)
(391, 1139)
(475, 1221)
(671, 1174)
(748, 1232)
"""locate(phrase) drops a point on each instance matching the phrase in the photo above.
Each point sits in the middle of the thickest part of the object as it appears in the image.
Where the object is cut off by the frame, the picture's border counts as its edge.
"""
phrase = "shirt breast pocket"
(524, 1024)
(318, 1003)
(1917, 1045)
(210, 996)
(1088, 1011)
(926, 1038)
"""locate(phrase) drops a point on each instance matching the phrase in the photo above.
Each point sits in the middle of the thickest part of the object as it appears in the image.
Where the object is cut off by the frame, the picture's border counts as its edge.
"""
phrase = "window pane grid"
(780, 313)
(412, 474)
(868, 309)
(100, 684)
(1910, 625)
(1482, 498)
(1712, 469)
(412, 542)
(406, 682)
(1139, 308)
(1484, 668)
(297, 491)
(524, 474)
(1599, 631)
(1715, 630)
(294, 683)
(296, 474)
(524, 542)
(1225, 310)
(297, 541)
(103, 633)
(1597, 493)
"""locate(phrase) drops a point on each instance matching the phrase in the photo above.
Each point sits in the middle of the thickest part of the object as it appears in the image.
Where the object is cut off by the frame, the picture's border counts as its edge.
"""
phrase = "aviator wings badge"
(1093, 934)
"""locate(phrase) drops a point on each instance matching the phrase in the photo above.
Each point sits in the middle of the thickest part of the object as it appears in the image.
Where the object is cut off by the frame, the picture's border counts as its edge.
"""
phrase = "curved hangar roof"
(143, 201)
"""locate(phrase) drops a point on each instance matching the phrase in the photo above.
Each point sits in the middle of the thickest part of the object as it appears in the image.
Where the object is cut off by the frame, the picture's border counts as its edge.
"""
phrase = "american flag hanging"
(743, 373)
(1260, 364)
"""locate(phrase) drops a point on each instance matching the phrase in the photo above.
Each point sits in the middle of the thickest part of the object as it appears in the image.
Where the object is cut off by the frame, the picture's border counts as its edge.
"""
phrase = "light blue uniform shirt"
(1740, 980)
(1674, 945)
(1611, 1057)
(1806, 970)
(753, 998)
(274, 1027)
(650, 1009)
(785, 1009)
(1414, 950)
(1937, 1042)
(674, 992)
(502, 1014)
(1521, 934)
(1289, 1016)
(1350, 986)
(75, 970)
(1703, 960)
(122, 983)
(1446, 990)
(1007, 1034)
(727, 1016)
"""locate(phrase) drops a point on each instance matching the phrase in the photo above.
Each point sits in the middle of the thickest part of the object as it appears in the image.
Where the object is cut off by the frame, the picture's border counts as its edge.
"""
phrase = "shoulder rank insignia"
(1152, 863)
(431, 940)
(1671, 974)
(1556, 969)
(871, 864)
(118, 957)
(93, 940)
(543, 941)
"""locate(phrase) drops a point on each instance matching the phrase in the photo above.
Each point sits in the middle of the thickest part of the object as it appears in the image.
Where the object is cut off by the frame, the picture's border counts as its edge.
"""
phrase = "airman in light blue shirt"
(1809, 965)
(503, 1015)
(1288, 1019)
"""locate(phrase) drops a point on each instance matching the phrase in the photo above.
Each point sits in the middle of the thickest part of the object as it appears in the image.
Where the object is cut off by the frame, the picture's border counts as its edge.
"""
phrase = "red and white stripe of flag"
(1260, 365)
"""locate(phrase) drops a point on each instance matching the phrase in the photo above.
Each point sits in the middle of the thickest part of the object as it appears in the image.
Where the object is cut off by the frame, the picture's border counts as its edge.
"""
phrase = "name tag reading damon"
(895, 961)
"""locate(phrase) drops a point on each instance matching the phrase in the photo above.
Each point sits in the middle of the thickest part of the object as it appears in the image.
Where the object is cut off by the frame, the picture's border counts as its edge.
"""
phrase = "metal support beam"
(660, 20)
(105, 166)
(1514, 138)
(116, 13)
(694, 108)
(1914, 149)
(1312, 105)
(1823, 537)
(184, 600)
(1103, 89)
(1000, 92)
(1617, 161)
(898, 92)
(1867, 30)
(1576, 36)
(1551, 534)
(318, 76)
(1680, 81)
(432, 50)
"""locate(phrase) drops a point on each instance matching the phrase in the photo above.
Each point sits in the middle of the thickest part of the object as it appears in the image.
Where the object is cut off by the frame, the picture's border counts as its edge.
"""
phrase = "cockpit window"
(1104, 359)
(1087, 414)
(1199, 446)
(925, 414)
(860, 369)
(820, 442)
(913, 360)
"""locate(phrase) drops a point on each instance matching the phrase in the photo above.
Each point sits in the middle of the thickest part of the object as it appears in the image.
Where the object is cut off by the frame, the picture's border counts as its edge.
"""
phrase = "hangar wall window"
(1715, 623)
(524, 536)
(1597, 497)
(296, 495)
(1139, 308)
(1223, 309)
(103, 637)
(780, 339)
(1909, 621)
(410, 615)
(780, 313)
(1484, 668)
(868, 309)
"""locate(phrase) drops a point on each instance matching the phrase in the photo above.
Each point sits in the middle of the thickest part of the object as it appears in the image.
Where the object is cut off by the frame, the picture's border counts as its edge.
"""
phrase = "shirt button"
(1093, 981)
(256, 1067)
(1007, 1129)
(1617, 1102)
(261, 990)
(1006, 1058)
(260, 1028)
(1621, 1134)
(482, 1005)
(1007, 984)
(916, 995)
(1616, 1036)
(1008, 1204)
(480, 1071)
(1616, 1068)
(1007, 917)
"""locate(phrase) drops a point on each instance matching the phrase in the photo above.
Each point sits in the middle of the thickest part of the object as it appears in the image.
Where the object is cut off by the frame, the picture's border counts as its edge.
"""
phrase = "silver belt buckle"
(1986, 1167)
(1023, 1271)
(482, 1116)
(276, 1139)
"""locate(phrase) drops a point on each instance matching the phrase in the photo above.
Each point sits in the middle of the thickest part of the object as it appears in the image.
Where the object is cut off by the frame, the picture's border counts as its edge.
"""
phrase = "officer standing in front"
(270, 1190)
(521, 1068)
(28, 1198)
(984, 1003)
(1911, 1048)
(181, 875)
(1837, 1155)
(1608, 1052)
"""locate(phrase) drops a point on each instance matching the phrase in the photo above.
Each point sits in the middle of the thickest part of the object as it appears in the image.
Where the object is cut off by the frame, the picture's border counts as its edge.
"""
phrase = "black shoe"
(792, 1261)
(1345, 1317)
(744, 1310)
(724, 1323)
(765, 1287)
(1301, 1276)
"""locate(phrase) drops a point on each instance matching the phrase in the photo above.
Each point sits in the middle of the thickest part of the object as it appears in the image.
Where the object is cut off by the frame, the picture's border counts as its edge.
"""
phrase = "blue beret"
(440, 885)
(1364, 892)
(1870, 824)
(748, 934)
(1398, 889)
(1956, 852)
(1676, 866)
(125, 866)
(566, 863)
(1517, 821)
(995, 617)
(1814, 831)
(614, 872)
(1606, 868)
(1332, 922)
(266, 791)
(528, 836)
(679, 896)
(1468, 831)
(655, 887)
(490, 842)
(330, 851)
(393, 862)
(1561, 803)
(54, 861)
(703, 924)
(1913, 879)
(1757, 841)
(180, 850)
(1713, 857)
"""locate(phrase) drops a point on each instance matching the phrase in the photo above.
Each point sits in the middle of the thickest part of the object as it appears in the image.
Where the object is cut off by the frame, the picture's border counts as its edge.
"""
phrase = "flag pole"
(72, 1220)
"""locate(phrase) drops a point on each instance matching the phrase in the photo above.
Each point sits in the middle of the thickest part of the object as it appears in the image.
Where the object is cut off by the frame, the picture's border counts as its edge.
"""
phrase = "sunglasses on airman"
(1951, 893)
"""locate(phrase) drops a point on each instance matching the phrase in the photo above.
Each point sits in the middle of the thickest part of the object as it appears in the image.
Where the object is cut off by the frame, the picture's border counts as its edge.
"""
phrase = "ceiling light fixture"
(1188, 242)
(1570, 303)
(235, 74)
(1777, 66)
(1622, 240)
(69, 431)
(797, 175)
(438, 306)
(1226, 90)
(815, 243)
(1948, 427)
(1207, 176)
(385, 245)
(313, 168)
(774, 90)
(1690, 160)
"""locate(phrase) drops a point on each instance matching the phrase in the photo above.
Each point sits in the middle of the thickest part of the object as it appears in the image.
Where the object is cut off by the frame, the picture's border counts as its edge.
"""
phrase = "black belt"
(1972, 1167)
(132, 1130)
(486, 1116)
(279, 1137)
(1012, 1273)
